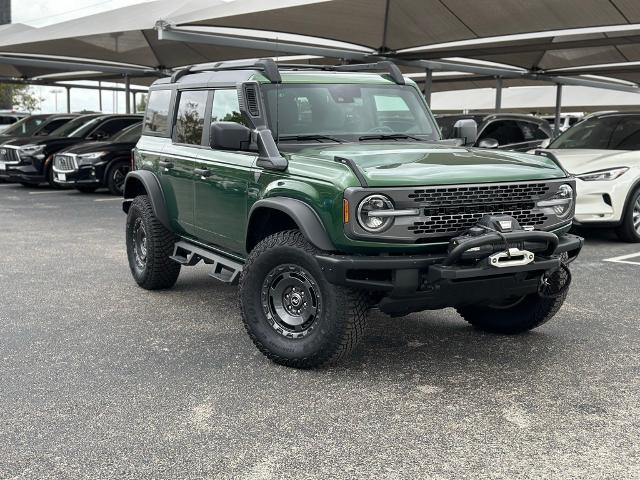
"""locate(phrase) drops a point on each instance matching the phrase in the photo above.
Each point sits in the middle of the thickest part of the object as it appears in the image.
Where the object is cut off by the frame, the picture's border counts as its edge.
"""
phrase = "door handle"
(202, 172)
(167, 165)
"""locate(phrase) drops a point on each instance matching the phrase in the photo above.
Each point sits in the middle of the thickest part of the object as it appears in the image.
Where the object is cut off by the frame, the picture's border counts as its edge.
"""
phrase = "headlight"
(603, 175)
(366, 213)
(32, 151)
(561, 204)
(88, 157)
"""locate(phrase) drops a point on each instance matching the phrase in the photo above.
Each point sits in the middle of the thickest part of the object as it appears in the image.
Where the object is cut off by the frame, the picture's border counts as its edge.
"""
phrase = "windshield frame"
(353, 137)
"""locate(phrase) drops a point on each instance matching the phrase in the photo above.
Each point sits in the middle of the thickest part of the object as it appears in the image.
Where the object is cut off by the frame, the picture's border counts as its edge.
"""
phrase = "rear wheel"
(149, 246)
(629, 230)
(521, 314)
(293, 315)
(115, 176)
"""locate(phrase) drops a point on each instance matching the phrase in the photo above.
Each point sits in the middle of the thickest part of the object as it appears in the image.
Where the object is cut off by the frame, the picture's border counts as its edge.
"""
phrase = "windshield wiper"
(310, 137)
(390, 136)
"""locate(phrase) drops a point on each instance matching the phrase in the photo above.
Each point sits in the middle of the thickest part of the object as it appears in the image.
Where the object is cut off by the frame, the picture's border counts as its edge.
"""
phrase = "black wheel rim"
(139, 239)
(291, 300)
(118, 176)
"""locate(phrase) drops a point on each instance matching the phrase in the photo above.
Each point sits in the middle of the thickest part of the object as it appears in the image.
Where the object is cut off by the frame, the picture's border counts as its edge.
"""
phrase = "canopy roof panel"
(401, 24)
(125, 35)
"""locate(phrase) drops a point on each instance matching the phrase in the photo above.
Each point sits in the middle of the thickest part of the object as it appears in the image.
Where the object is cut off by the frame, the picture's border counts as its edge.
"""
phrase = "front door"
(222, 180)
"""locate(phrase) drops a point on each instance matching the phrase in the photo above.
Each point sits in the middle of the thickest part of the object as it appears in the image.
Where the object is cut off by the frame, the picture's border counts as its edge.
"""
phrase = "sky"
(39, 13)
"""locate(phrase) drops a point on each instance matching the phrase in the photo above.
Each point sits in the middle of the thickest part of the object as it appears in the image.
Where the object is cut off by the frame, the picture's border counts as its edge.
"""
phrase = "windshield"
(75, 127)
(25, 127)
(613, 132)
(129, 135)
(348, 112)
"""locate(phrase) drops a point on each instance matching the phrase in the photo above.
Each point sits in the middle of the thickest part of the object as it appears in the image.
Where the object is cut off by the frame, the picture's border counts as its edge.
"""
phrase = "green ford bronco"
(325, 191)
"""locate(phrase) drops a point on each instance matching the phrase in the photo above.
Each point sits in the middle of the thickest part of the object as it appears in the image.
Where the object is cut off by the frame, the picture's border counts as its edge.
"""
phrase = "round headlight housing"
(366, 213)
(561, 204)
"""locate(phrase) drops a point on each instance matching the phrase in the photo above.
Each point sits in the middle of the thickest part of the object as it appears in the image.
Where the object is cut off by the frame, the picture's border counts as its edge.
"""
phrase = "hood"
(393, 164)
(578, 161)
(88, 147)
(50, 142)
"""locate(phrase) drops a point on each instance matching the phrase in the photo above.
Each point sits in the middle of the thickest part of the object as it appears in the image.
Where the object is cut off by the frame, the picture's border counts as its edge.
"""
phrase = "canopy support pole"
(498, 94)
(68, 99)
(99, 95)
(556, 128)
(127, 93)
(135, 104)
(428, 85)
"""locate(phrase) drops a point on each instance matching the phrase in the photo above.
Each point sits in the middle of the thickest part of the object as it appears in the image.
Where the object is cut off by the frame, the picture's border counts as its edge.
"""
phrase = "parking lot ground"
(100, 379)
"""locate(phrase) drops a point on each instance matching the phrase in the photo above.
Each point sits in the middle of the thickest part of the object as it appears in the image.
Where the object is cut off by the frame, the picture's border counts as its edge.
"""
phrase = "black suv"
(91, 165)
(504, 131)
(30, 159)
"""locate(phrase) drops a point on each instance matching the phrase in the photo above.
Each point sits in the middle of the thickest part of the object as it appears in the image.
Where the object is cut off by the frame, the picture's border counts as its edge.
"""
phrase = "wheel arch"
(270, 215)
(143, 182)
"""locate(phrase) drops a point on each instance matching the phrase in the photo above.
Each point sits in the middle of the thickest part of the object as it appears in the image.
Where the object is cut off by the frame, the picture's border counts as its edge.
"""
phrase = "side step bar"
(224, 269)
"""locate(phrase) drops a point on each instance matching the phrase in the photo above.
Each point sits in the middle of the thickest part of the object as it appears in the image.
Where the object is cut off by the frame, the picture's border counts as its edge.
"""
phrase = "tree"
(19, 97)
(142, 103)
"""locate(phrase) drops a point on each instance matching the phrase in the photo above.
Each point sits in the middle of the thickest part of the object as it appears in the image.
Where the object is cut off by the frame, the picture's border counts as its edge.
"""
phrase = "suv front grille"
(65, 163)
(454, 220)
(480, 194)
(9, 155)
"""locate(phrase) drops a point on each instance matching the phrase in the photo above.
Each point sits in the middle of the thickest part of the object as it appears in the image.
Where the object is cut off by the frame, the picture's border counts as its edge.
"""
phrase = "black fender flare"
(303, 215)
(151, 185)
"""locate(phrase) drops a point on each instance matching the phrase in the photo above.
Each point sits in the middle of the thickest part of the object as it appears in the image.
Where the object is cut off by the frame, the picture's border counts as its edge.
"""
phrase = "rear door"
(221, 181)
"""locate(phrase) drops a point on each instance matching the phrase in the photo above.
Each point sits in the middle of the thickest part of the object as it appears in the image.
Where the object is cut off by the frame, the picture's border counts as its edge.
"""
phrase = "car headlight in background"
(87, 158)
(603, 175)
(32, 150)
(561, 204)
(367, 209)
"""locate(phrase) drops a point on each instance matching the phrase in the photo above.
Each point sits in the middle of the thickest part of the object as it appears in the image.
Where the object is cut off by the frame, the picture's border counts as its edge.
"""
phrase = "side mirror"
(229, 136)
(466, 129)
(488, 143)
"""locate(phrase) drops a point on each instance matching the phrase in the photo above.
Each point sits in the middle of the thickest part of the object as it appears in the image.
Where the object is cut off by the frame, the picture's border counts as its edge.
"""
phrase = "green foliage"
(18, 97)
(142, 103)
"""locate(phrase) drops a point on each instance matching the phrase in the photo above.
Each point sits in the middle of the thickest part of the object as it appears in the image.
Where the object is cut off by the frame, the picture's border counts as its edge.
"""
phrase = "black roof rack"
(271, 69)
(266, 65)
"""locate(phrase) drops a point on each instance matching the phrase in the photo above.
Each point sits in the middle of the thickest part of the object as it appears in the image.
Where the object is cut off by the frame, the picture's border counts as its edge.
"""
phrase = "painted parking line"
(48, 192)
(114, 199)
(625, 259)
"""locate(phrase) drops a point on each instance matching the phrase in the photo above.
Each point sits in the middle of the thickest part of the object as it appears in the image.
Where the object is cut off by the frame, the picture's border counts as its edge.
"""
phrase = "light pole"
(56, 92)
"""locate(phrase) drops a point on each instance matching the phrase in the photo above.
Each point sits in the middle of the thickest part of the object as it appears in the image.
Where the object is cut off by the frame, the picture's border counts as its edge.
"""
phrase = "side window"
(190, 117)
(225, 107)
(626, 136)
(505, 132)
(531, 131)
(156, 118)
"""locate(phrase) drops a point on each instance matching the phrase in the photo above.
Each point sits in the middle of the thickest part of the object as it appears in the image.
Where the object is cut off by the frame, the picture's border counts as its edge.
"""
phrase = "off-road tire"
(341, 320)
(111, 182)
(529, 313)
(87, 189)
(627, 231)
(158, 271)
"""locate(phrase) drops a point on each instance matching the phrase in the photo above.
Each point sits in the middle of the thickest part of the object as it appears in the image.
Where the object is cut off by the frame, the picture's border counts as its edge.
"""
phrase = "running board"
(224, 269)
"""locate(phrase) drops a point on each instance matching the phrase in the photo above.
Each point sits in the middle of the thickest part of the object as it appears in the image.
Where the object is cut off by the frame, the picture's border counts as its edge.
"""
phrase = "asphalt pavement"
(100, 379)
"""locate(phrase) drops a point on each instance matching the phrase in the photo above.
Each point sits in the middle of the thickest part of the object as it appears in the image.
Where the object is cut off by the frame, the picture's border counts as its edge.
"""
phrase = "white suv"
(603, 153)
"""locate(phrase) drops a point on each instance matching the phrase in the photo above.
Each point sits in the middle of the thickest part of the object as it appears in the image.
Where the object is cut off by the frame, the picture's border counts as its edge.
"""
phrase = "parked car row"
(86, 151)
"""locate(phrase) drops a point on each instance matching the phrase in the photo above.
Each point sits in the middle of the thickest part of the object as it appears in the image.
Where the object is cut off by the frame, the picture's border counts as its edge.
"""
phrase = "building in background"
(5, 11)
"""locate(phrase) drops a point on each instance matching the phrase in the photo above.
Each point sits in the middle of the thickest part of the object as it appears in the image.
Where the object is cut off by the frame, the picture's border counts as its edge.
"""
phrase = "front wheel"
(291, 312)
(116, 175)
(629, 230)
(149, 246)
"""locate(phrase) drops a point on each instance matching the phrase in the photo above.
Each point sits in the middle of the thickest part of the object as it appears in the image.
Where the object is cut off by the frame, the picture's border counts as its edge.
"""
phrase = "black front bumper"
(83, 177)
(420, 282)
